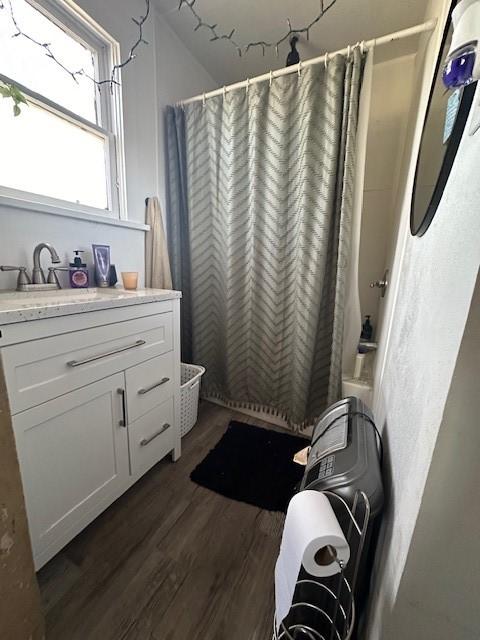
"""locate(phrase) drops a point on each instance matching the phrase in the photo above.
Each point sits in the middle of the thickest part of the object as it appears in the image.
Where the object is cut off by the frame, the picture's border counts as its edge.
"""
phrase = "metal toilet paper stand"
(324, 608)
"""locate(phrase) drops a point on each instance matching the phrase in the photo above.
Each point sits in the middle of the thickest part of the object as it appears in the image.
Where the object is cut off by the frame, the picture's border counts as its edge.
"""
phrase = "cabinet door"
(73, 454)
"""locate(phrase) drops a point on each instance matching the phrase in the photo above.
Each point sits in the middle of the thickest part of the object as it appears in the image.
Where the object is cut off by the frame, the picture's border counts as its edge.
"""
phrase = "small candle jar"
(130, 279)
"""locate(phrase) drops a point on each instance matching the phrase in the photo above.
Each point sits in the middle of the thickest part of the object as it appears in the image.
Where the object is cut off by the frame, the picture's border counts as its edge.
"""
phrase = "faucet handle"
(22, 279)
(52, 276)
(22, 272)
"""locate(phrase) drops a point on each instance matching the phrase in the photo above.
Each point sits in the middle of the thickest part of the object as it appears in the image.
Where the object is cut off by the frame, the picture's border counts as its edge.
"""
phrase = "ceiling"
(347, 22)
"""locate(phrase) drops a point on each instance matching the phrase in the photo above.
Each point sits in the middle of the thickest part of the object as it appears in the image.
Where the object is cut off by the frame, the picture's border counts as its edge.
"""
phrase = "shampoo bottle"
(367, 330)
(78, 272)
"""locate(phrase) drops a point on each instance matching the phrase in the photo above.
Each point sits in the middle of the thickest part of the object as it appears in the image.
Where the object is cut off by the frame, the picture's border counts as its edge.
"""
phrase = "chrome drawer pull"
(145, 441)
(123, 421)
(77, 363)
(153, 386)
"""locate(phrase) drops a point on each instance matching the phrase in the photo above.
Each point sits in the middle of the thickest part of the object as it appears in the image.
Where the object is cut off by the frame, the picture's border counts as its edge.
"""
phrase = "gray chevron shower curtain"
(260, 186)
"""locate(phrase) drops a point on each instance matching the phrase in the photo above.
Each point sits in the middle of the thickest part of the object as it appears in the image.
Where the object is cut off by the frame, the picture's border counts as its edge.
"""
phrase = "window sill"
(85, 216)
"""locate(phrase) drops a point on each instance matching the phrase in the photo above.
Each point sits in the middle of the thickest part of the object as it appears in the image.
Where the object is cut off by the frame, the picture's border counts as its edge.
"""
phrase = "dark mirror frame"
(452, 148)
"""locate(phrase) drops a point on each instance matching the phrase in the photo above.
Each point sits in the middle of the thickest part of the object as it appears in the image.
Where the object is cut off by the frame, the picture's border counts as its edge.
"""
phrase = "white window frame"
(80, 26)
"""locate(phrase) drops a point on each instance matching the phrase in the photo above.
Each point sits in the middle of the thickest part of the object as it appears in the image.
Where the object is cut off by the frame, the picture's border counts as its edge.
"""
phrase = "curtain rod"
(296, 68)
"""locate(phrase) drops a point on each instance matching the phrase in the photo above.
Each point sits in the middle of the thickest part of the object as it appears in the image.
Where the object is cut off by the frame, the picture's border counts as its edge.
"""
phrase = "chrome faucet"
(38, 277)
(38, 281)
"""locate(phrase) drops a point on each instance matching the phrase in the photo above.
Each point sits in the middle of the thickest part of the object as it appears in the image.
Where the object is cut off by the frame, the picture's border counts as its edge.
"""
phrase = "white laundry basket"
(191, 375)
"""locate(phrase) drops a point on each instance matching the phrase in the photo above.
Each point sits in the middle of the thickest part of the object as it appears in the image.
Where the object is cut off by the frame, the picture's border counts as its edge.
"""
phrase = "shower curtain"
(260, 189)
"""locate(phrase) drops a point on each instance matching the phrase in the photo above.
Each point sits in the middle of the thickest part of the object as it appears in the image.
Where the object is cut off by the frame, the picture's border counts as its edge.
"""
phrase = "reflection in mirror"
(432, 151)
(443, 128)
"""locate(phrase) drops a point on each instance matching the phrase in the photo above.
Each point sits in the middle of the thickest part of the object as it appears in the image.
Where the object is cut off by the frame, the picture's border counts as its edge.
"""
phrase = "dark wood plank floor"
(169, 560)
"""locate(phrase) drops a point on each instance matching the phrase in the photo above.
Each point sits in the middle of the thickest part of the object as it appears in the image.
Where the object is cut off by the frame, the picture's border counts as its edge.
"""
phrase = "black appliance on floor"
(344, 461)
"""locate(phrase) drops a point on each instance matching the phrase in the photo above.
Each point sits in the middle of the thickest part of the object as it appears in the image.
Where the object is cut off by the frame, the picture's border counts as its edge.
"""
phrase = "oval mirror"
(443, 127)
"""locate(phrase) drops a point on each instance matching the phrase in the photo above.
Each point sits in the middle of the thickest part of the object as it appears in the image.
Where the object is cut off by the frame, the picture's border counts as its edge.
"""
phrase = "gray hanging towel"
(157, 264)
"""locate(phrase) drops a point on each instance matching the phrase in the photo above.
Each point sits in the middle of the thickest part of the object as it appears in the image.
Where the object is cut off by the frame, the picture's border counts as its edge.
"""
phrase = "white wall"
(430, 292)
(179, 75)
(163, 72)
(438, 595)
(392, 85)
(21, 230)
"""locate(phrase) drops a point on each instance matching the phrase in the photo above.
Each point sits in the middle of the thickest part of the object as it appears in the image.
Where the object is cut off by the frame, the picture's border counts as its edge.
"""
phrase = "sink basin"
(21, 300)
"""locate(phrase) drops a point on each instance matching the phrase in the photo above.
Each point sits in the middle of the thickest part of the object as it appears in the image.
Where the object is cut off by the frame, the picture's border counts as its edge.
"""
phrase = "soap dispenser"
(367, 330)
(78, 272)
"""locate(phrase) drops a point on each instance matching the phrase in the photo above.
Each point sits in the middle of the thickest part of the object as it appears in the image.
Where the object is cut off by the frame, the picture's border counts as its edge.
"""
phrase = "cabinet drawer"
(149, 384)
(46, 368)
(151, 437)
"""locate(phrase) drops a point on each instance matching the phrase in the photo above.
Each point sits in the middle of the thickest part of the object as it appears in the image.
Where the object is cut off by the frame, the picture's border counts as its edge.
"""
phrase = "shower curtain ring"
(271, 78)
(299, 70)
(326, 60)
(363, 47)
(204, 99)
(348, 52)
(224, 90)
(247, 86)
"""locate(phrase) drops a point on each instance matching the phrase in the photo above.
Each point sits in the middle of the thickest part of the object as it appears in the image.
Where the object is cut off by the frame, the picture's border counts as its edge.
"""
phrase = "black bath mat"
(253, 465)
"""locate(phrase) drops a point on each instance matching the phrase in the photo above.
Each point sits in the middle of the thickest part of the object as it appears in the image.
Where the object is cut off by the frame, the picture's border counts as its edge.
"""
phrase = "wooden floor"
(169, 560)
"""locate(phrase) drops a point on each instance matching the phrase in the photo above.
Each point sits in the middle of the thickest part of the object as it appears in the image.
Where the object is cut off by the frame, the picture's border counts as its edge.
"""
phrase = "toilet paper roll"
(312, 538)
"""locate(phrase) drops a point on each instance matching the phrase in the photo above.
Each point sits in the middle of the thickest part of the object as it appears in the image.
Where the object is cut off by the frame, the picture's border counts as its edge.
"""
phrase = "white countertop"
(17, 306)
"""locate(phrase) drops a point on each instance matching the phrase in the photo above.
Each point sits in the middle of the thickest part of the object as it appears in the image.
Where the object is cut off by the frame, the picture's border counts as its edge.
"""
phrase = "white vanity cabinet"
(94, 398)
(74, 461)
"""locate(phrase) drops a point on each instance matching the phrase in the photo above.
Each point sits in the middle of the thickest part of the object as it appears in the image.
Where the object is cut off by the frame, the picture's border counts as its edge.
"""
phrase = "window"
(66, 146)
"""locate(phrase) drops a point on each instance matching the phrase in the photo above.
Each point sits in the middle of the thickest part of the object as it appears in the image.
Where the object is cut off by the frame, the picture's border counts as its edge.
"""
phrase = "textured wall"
(430, 292)
(438, 595)
(21, 617)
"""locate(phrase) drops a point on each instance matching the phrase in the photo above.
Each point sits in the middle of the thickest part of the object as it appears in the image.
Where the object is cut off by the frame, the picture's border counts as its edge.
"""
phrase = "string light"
(47, 48)
(264, 45)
